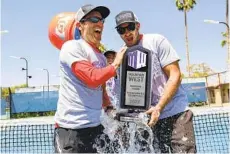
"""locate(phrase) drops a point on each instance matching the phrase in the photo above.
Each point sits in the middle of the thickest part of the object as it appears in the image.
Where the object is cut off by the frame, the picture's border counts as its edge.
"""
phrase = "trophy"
(135, 94)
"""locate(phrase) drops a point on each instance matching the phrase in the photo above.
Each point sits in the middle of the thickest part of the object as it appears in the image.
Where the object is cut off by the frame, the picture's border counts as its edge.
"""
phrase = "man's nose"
(126, 31)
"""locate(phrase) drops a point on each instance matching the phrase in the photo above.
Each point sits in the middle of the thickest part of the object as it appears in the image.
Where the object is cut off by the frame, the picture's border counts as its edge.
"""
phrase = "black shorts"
(78, 140)
(175, 134)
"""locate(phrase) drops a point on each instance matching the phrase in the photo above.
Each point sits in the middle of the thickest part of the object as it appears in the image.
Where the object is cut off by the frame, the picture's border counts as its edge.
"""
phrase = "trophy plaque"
(135, 82)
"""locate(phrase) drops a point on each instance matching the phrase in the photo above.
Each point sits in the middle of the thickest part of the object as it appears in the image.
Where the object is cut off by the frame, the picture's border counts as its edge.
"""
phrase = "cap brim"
(104, 11)
(107, 52)
(126, 22)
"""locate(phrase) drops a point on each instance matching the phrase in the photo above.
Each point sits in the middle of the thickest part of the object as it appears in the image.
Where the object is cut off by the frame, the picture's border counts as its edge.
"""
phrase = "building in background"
(216, 86)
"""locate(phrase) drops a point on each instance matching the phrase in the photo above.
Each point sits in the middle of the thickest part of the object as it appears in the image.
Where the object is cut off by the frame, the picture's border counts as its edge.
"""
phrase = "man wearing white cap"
(83, 73)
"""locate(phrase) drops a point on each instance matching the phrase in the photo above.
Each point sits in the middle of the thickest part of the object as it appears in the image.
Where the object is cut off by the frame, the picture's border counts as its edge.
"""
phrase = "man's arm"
(169, 62)
(92, 76)
(77, 59)
(174, 79)
(106, 101)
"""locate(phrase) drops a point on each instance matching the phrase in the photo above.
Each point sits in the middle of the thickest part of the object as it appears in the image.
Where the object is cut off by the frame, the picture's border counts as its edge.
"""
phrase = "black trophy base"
(132, 116)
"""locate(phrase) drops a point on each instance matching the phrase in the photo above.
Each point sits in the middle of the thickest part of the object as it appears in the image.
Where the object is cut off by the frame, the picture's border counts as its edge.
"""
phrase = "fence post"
(8, 104)
(207, 91)
(219, 87)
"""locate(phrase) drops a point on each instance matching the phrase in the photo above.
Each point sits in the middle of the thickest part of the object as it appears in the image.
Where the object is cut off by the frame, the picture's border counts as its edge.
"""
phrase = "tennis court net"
(35, 135)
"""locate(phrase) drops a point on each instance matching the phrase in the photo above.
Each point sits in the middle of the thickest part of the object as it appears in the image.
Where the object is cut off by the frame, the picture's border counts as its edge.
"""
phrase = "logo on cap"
(137, 59)
(124, 16)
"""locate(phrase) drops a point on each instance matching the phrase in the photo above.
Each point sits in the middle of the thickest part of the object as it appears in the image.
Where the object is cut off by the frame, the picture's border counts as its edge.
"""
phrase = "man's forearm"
(106, 100)
(90, 75)
(169, 91)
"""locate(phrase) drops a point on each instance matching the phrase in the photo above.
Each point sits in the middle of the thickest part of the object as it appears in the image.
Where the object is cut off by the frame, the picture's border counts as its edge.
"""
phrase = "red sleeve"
(90, 75)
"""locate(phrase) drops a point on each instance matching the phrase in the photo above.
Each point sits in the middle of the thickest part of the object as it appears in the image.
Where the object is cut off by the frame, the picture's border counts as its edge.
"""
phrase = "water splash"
(125, 137)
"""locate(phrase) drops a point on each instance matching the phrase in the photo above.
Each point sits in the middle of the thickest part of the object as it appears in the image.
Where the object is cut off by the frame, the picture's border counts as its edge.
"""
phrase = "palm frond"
(223, 43)
(224, 34)
(179, 5)
(191, 4)
(185, 4)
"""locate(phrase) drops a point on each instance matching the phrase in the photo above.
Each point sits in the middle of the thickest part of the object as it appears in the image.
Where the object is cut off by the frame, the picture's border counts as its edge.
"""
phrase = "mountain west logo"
(137, 59)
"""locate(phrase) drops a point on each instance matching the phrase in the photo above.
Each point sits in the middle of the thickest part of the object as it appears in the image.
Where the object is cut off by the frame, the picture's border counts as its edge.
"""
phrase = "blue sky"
(27, 22)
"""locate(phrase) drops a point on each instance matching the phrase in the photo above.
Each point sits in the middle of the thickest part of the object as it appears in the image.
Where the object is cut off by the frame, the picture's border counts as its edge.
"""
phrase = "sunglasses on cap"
(94, 20)
(131, 27)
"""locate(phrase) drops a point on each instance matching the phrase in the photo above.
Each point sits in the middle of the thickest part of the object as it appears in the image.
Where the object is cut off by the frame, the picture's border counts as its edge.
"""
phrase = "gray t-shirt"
(162, 55)
(78, 105)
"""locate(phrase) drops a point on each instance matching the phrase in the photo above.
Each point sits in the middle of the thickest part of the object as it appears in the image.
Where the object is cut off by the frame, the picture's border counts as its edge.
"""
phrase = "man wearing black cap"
(171, 120)
(82, 94)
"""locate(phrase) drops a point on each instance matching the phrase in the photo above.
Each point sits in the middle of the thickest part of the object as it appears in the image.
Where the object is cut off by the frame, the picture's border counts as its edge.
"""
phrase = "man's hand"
(154, 113)
(111, 112)
(119, 57)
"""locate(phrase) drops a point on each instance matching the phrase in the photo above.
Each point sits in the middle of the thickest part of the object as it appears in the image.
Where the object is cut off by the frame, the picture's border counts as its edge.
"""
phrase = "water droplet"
(184, 138)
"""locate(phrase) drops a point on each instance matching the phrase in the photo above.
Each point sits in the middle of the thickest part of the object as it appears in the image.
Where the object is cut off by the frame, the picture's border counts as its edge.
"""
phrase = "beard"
(93, 37)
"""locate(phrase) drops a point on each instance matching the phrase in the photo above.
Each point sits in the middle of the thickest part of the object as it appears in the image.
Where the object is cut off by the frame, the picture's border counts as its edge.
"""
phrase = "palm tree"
(227, 17)
(200, 70)
(228, 32)
(185, 6)
(225, 34)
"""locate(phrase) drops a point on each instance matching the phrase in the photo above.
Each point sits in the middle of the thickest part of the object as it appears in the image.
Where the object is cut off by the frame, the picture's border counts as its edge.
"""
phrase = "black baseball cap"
(88, 8)
(125, 16)
(109, 51)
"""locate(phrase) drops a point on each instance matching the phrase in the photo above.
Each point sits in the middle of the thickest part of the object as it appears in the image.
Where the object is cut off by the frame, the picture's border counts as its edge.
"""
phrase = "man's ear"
(78, 25)
(138, 25)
